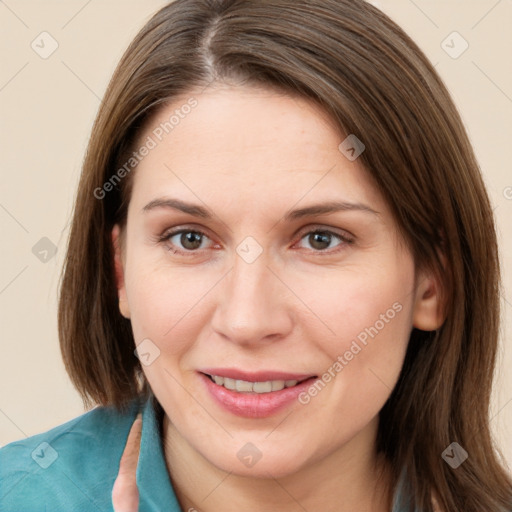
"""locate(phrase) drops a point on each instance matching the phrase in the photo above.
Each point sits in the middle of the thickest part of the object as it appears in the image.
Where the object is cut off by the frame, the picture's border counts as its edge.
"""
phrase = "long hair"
(375, 83)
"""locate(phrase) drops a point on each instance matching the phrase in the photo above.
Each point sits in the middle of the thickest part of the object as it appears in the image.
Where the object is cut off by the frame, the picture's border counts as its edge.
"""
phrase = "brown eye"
(319, 240)
(191, 240)
(322, 240)
(184, 240)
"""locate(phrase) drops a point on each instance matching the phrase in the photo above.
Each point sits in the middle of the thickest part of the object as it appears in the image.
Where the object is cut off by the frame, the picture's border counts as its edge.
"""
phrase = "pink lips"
(254, 405)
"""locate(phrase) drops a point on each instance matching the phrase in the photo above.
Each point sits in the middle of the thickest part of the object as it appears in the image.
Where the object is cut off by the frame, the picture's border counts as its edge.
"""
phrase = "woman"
(281, 214)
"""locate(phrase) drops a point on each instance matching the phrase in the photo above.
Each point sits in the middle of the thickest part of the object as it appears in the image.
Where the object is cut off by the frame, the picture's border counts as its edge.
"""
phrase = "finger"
(125, 494)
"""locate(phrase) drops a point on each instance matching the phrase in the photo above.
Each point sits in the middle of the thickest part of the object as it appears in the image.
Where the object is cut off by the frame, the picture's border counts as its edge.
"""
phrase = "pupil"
(320, 238)
(194, 239)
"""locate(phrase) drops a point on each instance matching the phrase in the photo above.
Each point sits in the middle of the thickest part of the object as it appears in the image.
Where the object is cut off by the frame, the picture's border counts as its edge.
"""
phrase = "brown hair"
(377, 84)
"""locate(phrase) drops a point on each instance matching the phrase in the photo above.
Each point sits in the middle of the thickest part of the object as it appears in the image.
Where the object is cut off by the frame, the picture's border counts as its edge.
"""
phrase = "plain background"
(48, 106)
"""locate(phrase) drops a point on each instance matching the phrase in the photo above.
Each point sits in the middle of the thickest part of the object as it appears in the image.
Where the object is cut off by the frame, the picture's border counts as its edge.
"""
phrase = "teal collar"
(155, 488)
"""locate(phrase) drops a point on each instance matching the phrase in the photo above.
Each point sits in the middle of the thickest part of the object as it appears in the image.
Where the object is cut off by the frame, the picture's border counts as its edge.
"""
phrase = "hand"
(125, 494)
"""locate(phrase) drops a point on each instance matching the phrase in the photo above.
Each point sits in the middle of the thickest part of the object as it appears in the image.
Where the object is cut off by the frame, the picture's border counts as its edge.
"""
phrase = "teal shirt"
(73, 467)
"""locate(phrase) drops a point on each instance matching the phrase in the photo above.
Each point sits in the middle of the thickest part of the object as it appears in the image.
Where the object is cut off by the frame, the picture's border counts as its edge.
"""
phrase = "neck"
(346, 480)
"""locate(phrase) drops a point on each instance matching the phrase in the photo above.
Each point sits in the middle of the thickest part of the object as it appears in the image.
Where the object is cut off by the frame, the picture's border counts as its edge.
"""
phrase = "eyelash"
(344, 239)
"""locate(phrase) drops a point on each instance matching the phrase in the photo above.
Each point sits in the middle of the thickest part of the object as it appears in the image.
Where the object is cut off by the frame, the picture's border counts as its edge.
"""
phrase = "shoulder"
(70, 467)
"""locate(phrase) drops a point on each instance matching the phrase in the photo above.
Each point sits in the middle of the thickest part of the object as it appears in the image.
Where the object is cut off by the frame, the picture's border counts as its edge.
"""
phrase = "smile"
(254, 395)
(244, 386)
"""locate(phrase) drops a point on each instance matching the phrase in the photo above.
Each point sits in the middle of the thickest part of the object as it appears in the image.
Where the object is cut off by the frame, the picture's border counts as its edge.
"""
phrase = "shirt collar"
(155, 488)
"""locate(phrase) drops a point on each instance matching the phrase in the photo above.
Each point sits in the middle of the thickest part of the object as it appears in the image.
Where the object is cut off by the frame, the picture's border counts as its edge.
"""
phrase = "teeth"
(262, 387)
(218, 380)
(244, 386)
(229, 383)
(277, 385)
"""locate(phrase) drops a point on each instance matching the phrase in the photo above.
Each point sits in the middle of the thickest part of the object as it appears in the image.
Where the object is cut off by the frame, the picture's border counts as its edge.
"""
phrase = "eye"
(320, 240)
(184, 240)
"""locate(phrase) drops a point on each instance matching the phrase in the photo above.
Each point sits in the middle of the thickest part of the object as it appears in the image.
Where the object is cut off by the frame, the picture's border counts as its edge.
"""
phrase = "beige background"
(48, 106)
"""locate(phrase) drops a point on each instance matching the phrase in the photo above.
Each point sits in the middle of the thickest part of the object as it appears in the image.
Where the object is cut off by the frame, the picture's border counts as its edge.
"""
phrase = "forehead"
(247, 143)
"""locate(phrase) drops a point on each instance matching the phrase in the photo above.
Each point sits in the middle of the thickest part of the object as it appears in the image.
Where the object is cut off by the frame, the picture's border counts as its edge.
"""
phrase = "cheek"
(359, 365)
(166, 303)
(366, 320)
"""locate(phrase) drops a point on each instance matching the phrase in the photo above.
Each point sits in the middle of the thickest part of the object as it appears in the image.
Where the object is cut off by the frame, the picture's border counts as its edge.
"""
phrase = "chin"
(254, 463)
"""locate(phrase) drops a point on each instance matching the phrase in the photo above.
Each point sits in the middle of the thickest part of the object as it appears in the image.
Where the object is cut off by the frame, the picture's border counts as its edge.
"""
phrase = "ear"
(119, 272)
(429, 310)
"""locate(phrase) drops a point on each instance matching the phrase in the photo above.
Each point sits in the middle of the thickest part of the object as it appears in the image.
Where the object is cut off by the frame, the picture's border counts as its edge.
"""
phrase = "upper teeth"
(255, 387)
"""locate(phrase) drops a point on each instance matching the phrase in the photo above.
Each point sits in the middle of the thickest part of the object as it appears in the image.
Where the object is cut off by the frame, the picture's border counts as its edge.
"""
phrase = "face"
(258, 257)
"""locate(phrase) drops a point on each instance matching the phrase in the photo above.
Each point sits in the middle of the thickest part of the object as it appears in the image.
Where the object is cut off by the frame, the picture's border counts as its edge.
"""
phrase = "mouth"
(254, 395)
(259, 387)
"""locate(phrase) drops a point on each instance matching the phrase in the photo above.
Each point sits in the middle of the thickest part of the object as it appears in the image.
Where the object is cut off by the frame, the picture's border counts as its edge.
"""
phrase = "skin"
(249, 156)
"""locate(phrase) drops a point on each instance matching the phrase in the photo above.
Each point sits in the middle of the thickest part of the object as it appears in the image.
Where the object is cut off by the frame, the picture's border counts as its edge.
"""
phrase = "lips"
(243, 386)
(253, 394)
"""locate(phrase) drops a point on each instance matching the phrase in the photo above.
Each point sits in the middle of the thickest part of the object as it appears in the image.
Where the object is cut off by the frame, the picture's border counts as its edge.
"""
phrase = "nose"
(254, 305)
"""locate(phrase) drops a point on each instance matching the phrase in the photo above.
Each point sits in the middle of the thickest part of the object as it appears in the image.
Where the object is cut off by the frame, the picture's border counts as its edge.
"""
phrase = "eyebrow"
(315, 209)
(328, 207)
(176, 204)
